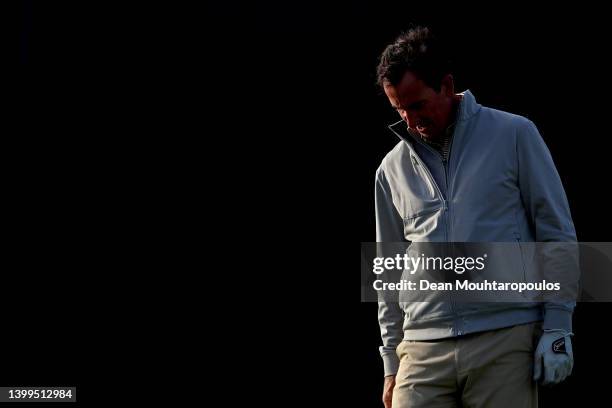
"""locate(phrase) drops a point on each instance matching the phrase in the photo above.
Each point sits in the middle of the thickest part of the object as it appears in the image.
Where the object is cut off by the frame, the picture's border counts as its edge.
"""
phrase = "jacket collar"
(468, 107)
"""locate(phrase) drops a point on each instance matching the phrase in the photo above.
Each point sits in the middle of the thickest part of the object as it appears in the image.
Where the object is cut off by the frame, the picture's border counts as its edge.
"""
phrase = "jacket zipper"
(446, 164)
(447, 209)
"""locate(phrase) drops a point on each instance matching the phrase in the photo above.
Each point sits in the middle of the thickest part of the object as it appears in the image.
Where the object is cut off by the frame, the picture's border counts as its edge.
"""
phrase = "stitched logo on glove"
(558, 346)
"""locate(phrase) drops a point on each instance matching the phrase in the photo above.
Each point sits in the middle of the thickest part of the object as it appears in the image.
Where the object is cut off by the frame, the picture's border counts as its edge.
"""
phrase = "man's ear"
(448, 85)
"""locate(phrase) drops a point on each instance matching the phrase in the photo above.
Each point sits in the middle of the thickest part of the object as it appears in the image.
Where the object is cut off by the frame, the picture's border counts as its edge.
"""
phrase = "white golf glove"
(554, 358)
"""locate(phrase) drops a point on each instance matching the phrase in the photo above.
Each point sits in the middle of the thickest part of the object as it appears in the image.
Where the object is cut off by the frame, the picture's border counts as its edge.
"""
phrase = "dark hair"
(417, 51)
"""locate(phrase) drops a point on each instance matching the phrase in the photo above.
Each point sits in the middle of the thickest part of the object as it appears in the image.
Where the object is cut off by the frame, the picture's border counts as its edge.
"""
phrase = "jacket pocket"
(425, 223)
(418, 304)
(424, 311)
(521, 256)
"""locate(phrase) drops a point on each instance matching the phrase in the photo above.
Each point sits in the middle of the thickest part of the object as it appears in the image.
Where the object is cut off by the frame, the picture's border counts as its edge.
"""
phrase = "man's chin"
(431, 134)
(426, 133)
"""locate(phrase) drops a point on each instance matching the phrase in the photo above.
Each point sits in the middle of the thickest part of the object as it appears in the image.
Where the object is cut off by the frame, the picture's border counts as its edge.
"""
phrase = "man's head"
(414, 72)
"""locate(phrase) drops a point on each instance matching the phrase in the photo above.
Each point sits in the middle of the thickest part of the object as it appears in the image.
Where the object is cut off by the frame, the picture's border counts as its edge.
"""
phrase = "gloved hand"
(554, 358)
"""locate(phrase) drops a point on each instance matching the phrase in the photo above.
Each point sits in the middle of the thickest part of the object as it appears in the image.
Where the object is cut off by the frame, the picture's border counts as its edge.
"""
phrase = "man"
(462, 172)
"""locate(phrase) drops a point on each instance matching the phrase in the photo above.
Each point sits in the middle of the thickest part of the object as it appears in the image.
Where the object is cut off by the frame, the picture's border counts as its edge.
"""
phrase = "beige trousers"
(488, 369)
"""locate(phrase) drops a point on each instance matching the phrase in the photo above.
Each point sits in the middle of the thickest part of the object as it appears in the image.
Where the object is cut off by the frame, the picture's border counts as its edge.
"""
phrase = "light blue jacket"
(501, 185)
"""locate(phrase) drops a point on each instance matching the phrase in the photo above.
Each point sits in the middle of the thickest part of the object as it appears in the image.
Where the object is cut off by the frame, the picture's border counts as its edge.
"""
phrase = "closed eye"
(416, 105)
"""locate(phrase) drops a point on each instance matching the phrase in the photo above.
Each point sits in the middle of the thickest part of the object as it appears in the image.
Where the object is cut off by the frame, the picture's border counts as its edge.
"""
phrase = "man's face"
(421, 107)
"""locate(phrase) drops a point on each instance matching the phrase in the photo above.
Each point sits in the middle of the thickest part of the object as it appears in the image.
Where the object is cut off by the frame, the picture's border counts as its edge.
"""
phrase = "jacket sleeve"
(548, 210)
(389, 228)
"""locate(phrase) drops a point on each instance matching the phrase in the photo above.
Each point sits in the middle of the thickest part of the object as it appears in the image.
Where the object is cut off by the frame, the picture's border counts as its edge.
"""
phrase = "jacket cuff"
(555, 318)
(390, 363)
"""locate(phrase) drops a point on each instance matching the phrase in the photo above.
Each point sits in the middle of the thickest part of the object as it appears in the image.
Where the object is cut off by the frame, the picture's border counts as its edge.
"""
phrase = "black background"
(312, 69)
(281, 97)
